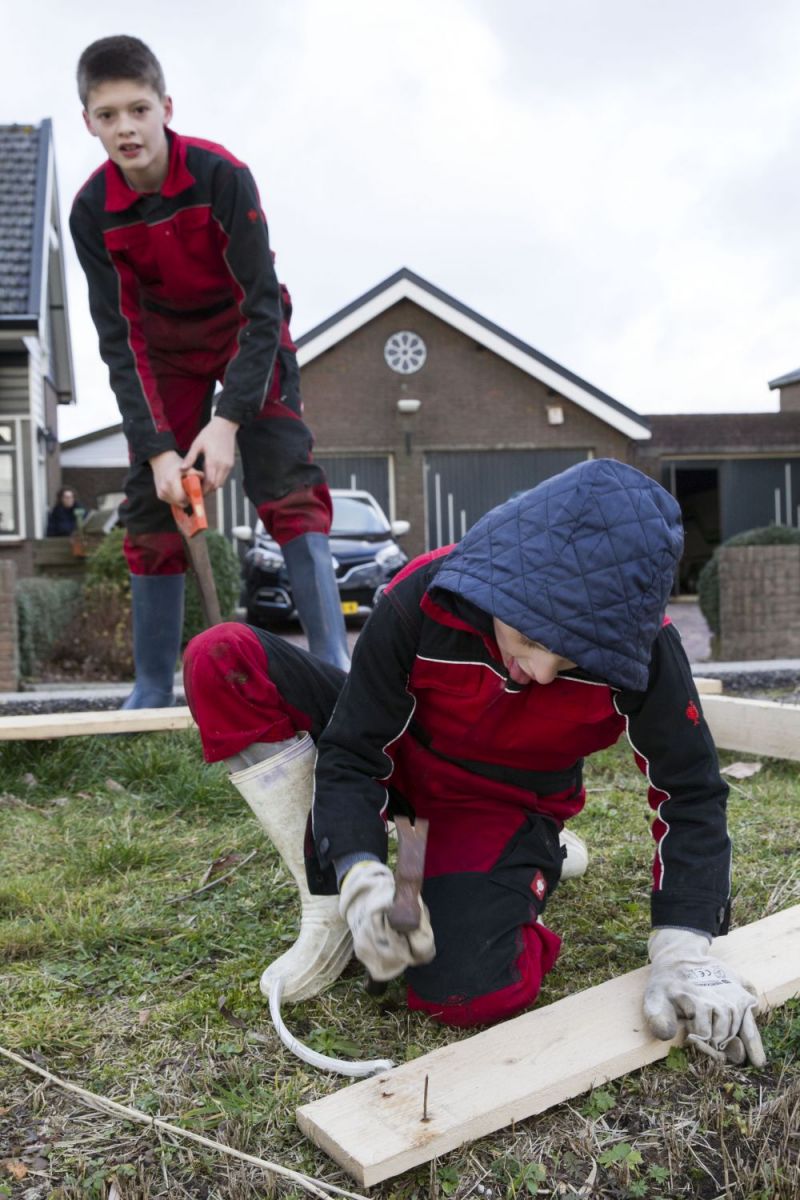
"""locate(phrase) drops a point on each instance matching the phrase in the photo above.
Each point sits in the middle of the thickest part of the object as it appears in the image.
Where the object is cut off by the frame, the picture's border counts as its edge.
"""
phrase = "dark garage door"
(370, 473)
(460, 486)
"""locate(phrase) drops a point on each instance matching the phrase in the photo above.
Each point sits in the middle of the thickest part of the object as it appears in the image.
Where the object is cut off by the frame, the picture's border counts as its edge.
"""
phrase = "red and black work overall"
(492, 858)
(184, 296)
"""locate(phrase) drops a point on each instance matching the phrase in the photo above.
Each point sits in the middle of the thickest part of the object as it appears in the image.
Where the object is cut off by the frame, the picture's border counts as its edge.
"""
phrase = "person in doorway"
(65, 515)
(173, 241)
(485, 675)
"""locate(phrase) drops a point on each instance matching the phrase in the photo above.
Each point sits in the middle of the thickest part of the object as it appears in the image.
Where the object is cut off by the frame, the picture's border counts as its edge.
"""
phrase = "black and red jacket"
(428, 709)
(191, 261)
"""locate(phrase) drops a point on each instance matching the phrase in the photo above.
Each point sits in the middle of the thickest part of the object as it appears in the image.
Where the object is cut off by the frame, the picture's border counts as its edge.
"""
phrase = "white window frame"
(17, 453)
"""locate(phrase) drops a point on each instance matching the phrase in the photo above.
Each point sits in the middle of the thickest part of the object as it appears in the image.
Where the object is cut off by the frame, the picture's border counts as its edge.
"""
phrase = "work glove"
(689, 989)
(365, 897)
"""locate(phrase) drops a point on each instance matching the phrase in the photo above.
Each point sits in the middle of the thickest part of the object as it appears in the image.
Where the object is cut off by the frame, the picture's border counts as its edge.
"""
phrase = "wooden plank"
(707, 686)
(37, 727)
(374, 1128)
(754, 726)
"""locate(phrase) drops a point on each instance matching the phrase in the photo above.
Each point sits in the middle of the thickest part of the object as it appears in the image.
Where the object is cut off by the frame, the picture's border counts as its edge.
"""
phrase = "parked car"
(365, 557)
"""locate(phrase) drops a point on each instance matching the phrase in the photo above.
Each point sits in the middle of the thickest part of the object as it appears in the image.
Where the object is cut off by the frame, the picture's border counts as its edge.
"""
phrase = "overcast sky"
(614, 181)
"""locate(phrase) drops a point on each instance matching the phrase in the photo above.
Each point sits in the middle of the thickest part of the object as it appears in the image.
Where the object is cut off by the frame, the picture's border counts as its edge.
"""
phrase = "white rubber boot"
(577, 857)
(279, 790)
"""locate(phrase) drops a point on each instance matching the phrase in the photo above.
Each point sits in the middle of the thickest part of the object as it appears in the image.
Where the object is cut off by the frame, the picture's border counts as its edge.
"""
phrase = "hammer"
(404, 915)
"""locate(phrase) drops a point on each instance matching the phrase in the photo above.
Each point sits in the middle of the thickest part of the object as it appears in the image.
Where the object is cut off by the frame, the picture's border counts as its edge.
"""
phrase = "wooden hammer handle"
(404, 915)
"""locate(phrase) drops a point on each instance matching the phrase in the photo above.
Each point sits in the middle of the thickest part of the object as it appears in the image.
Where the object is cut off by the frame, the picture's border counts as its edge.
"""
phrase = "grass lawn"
(112, 978)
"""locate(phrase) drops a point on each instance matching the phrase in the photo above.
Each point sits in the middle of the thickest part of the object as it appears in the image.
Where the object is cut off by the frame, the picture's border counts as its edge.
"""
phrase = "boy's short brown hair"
(119, 57)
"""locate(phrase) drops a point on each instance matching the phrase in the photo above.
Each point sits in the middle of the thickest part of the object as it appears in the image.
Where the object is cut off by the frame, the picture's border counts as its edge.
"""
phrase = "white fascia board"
(354, 320)
(405, 289)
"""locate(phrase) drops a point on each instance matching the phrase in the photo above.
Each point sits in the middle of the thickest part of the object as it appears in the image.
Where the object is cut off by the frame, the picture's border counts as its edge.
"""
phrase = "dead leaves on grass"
(741, 770)
(219, 871)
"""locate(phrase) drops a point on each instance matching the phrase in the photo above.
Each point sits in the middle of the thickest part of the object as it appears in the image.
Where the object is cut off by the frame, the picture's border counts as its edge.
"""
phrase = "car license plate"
(349, 607)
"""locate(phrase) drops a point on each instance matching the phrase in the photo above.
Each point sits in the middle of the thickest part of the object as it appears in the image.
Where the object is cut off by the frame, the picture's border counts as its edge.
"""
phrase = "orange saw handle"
(192, 519)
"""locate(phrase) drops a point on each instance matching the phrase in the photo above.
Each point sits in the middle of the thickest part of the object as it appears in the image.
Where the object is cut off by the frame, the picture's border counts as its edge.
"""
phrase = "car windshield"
(351, 515)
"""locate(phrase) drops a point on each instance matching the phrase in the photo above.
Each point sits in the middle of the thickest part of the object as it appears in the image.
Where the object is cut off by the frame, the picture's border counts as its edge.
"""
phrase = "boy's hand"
(690, 989)
(168, 471)
(365, 897)
(217, 443)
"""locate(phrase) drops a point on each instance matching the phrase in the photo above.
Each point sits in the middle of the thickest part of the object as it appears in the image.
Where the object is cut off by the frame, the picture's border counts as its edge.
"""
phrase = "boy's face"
(129, 118)
(527, 661)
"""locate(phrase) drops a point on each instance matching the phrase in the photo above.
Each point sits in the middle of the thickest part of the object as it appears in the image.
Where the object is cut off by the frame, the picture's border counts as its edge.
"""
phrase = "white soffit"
(406, 289)
(110, 450)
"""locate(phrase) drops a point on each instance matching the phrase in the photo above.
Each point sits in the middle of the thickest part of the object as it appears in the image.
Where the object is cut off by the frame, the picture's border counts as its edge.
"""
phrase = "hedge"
(45, 608)
(107, 565)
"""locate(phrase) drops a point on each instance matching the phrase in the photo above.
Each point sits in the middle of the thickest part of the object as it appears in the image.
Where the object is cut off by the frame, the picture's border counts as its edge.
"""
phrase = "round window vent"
(405, 352)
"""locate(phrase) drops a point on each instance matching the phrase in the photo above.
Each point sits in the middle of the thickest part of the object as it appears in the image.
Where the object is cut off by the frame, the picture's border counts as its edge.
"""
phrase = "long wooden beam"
(754, 726)
(376, 1128)
(37, 727)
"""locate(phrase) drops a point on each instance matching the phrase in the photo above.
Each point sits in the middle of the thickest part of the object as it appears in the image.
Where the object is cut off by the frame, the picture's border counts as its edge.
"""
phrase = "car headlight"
(266, 560)
(391, 558)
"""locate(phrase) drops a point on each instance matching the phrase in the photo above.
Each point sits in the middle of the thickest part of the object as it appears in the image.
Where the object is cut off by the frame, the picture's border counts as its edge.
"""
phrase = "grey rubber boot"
(157, 607)
(316, 597)
(279, 790)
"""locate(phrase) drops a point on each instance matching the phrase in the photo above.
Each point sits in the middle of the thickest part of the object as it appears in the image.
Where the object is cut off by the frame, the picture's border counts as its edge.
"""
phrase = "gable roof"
(405, 285)
(711, 435)
(785, 380)
(105, 447)
(25, 153)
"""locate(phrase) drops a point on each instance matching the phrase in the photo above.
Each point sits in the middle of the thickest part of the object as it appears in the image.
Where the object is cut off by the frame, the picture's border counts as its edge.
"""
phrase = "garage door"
(370, 473)
(460, 486)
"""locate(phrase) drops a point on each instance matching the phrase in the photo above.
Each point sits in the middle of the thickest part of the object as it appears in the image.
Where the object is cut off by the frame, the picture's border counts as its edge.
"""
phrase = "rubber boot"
(157, 608)
(576, 857)
(316, 597)
(279, 790)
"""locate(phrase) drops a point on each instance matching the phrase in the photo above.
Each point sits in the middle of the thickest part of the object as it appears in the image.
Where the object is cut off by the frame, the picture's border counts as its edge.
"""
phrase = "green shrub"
(44, 609)
(107, 565)
(97, 643)
(708, 579)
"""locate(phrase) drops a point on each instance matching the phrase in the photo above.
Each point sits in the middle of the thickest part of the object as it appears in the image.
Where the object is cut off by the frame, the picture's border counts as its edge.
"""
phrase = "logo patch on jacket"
(693, 713)
(539, 886)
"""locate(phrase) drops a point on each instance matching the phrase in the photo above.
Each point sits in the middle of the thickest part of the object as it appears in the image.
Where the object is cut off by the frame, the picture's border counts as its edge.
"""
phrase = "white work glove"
(689, 989)
(365, 897)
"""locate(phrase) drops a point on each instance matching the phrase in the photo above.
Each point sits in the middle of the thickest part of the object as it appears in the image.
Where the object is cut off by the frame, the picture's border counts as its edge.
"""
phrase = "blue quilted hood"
(584, 563)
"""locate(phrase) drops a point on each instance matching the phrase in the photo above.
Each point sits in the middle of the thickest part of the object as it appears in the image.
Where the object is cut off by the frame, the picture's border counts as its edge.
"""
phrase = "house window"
(9, 512)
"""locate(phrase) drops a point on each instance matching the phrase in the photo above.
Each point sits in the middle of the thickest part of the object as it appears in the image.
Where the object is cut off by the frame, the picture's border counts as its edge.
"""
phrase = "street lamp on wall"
(407, 407)
(50, 439)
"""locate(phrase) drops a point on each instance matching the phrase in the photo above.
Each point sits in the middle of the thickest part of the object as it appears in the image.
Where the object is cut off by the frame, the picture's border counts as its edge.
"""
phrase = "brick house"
(441, 414)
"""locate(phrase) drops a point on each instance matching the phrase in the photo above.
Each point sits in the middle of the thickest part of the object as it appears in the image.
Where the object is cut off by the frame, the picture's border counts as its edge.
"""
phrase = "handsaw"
(193, 523)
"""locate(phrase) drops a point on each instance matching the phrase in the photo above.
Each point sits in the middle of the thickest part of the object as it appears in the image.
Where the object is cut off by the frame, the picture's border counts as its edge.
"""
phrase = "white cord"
(314, 1059)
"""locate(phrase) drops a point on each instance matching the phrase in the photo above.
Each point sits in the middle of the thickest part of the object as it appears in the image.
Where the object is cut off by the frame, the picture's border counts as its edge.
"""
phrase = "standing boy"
(183, 293)
(485, 675)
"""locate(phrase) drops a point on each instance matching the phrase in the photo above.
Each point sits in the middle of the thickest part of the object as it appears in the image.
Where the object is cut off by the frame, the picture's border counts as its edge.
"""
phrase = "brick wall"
(9, 653)
(759, 593)
(91, 482)
(21, 555)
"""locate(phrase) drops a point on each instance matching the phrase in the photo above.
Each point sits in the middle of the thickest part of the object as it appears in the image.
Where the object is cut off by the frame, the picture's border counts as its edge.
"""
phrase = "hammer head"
(404, 915)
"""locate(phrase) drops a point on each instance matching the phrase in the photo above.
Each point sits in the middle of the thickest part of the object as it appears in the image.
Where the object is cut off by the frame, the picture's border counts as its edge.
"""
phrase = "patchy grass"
(111, 983)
